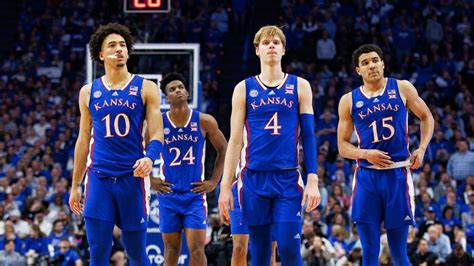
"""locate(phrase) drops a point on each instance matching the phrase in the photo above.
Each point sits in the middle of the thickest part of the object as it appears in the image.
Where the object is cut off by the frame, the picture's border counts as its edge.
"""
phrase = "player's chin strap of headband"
(309, 143)
(153, 149)
(393, 166)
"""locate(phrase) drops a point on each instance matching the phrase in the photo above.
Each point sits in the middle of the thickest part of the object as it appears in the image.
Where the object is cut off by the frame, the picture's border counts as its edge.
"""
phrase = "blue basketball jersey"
(183, 152)
(117, 127)
(271, 128)
(381, 122)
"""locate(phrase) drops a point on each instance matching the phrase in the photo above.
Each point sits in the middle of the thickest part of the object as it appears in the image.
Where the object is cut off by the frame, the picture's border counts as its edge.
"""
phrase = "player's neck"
(179, 114)
(271, 74)
(115, 76)
(373, 88)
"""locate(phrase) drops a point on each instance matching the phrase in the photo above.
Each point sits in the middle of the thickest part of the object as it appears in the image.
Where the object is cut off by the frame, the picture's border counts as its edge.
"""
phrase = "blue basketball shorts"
(179, 210)
(383, 196)
(124, 200)
(268, 197)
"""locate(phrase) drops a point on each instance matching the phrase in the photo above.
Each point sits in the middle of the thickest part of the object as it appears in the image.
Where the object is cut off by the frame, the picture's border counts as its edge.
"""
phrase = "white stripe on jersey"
(86, 182)
(243, 152)
(146, 183)
(91, 144)
(411, 191)
(203, 158)
(300, 180)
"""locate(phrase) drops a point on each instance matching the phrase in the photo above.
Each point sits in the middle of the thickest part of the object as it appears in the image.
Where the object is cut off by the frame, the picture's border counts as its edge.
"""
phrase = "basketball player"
(113, 110)
(383, 186)
(267, 112)
(182, 199)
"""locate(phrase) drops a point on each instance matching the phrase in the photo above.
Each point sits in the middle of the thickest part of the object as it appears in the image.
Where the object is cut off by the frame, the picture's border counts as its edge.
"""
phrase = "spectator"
(423, 255)
(44, 224)
(459, 257)
(412, 241)
(21, 227)
(440, 189)
(58, 233)
(36, 244)
(221, 19)
(449, 221)
(325, 48)
(314, 251)
(66, 256)
(9, 256)
(437, 245)
(434, 30)
(461, 163)
(319, 226)
(467, 219)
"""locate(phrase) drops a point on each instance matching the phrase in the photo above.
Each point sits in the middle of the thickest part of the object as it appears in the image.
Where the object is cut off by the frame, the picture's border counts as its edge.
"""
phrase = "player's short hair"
(365, 49)
(95, 44)
(269, 31)
(169, 78)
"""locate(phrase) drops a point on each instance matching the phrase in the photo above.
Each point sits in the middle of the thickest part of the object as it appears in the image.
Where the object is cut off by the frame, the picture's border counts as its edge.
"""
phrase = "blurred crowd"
(429, 43)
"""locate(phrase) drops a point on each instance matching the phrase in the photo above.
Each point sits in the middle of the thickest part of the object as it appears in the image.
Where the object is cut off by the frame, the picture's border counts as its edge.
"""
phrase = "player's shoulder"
(302, 81)
(241, 85)
(240, 89)
(346, 100)
(86, 89)
(148, 84)
(206, 119)
(404, 84)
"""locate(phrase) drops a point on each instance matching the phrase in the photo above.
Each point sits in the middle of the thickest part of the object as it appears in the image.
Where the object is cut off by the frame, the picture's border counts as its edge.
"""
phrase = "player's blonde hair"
(269, 31)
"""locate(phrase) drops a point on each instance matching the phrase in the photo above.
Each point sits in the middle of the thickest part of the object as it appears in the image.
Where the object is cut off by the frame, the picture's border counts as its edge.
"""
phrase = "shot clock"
(146, 6)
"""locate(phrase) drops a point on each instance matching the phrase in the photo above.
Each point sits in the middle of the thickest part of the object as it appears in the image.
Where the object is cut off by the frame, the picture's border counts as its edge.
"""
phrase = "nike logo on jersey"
(408, 218)
(271, 93)
(297, 236)
(115, 93)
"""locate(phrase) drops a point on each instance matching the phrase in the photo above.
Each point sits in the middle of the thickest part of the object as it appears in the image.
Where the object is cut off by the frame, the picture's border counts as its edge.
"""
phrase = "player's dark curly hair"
(365, 49)
(169, 78)
(95, 44)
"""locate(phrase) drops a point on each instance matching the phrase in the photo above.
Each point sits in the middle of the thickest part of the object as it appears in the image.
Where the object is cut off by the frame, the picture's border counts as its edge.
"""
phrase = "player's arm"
(218, 141)
(305, 99)
(233, 150)
(421, 110)
(156, 183)
(344, 132)
(81, 149)
(152, 98)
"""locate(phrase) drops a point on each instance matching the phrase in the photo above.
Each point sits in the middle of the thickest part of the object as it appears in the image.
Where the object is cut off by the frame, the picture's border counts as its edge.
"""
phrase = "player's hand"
(311, 193)
(226, 199)
(143, 167)
(416, 159)
(378, 158)
(75, 201)
(203, 187)
(160, 186)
